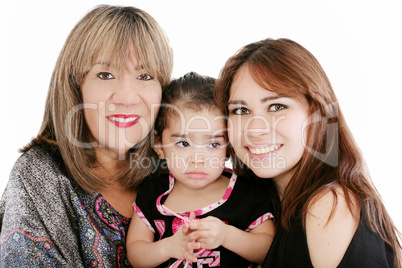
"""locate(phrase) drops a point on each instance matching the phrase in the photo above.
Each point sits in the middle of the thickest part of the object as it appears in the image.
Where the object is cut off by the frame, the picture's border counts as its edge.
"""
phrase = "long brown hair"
(112, 31)
(331, 157)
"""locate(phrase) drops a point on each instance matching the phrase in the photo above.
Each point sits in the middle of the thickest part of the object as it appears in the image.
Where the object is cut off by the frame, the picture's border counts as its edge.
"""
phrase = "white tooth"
(257, 151)
(272, 148)
(262, 150)
(276, 147)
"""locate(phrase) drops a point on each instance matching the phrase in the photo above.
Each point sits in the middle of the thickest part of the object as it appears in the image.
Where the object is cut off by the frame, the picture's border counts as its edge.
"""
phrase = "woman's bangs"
(275, 82)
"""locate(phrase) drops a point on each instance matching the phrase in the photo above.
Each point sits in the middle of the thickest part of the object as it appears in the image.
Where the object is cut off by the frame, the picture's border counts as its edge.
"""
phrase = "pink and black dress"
(244, 205)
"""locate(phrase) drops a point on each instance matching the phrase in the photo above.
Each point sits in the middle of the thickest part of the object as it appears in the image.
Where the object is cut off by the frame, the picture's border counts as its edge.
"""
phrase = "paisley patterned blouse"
(47, 220)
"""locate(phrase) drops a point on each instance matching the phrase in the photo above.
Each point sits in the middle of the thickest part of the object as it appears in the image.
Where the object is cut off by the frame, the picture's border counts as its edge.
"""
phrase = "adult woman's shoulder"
(36, 211)
(330, 226)
(39, 172)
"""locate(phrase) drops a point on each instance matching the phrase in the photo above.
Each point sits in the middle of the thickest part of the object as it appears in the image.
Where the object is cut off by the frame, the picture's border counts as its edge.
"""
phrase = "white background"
(357, 42)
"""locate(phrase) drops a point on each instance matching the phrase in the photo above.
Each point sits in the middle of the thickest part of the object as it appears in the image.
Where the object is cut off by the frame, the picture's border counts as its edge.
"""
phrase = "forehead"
(186, 120)
(244, 86)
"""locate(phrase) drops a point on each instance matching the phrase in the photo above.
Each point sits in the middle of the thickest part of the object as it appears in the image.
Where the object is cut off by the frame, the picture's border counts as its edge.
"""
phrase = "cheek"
(234, 132)
(152, 105)
(175, 161)
(216, 160)
(91, 118)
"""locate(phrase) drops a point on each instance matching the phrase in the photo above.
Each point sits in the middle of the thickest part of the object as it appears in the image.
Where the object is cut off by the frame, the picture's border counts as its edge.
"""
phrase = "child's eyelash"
(182, 144)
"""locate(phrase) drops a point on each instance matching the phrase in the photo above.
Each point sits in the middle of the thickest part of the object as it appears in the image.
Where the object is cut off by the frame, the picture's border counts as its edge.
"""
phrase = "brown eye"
(145, 77)
(105, 76)
(276, 107)
(240, 111)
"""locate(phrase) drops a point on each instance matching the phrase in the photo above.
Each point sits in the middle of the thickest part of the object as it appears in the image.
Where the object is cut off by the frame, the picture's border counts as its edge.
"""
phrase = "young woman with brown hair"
(69, 198)
(284, 123)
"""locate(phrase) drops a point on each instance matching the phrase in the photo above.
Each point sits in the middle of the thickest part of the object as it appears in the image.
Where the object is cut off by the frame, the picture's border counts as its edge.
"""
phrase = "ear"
(158, 147)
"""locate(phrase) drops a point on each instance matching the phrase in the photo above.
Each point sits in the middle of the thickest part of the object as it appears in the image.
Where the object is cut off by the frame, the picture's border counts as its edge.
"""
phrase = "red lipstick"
(123, 120)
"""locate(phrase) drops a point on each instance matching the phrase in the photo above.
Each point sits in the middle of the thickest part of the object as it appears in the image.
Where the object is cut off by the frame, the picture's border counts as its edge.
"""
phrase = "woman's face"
(120, 106)
(265, 129)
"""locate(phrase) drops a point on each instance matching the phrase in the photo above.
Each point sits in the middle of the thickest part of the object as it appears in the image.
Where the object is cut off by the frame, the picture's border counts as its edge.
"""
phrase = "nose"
(257, 126)
(126, 92)
(197, 157)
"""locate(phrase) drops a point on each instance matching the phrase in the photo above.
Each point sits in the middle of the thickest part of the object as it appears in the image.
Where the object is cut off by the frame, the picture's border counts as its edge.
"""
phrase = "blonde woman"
(285, 124)
(69, 199)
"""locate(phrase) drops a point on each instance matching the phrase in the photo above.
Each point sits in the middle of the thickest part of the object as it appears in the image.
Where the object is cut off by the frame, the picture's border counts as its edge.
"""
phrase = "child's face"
(194, 146)
(267, 131)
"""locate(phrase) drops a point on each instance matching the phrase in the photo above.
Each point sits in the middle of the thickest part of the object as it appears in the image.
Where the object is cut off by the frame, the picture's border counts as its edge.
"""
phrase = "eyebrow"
(108, 64)
(177, 135)
(271, 98)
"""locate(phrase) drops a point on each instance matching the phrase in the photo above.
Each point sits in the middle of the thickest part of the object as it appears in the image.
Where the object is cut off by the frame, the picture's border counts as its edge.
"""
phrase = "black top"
(244, 205)
(367, 249)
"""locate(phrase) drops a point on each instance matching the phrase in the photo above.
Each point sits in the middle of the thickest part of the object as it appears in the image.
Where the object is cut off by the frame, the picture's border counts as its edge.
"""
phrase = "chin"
(265, 173)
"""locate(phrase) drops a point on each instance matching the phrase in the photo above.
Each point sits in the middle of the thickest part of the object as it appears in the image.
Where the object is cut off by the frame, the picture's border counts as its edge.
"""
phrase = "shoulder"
(331, 222)
(251, 198)
(36, 160)
(37, 170)
(251, 187)
(153, 186)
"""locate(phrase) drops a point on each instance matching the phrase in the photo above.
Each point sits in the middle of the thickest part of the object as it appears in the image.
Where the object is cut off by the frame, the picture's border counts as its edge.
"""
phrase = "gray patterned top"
(47, 220)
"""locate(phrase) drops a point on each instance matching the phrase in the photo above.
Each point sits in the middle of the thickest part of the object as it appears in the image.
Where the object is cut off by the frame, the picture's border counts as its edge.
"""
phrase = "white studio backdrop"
(358, 44)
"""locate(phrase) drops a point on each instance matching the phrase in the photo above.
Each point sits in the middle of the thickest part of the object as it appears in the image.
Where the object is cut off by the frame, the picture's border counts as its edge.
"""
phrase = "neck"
(107, 163)
(281, 182)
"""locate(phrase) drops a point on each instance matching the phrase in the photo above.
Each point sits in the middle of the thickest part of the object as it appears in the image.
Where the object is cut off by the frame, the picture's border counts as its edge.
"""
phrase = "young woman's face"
(120, 106)
(265, 129)
(194, 147)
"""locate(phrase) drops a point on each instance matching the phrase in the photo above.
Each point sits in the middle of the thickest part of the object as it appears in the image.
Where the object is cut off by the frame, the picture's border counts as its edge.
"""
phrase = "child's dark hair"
(192, 91)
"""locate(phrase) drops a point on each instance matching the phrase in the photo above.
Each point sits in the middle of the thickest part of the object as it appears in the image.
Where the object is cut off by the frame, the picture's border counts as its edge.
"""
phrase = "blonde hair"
(110, 31)
(333, 158)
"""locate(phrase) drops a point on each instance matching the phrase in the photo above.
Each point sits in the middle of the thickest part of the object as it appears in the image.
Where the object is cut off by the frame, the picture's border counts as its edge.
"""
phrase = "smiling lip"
(197, 175)
(264, 150)
(123, 120)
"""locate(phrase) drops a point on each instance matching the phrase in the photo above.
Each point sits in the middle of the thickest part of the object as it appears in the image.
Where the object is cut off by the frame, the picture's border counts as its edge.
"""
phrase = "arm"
(142, 251)
(329, 238)
(252, 245)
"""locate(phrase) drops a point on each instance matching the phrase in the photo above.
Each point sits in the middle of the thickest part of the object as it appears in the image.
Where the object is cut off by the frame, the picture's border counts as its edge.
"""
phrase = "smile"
(123, 121)
(265, 150)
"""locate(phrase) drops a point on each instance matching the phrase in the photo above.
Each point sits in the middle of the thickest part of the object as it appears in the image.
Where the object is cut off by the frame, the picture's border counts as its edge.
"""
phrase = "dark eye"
(105, 76)
(240, 111)
(276, 107)
(214, 145)
(183, 144)
(145, 77)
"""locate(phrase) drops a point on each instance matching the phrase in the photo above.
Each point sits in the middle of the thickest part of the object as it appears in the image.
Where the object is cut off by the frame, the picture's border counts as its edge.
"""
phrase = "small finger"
(192, 216)
(190, 257)
(194, 245)
(195, 235)
(185, 227)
